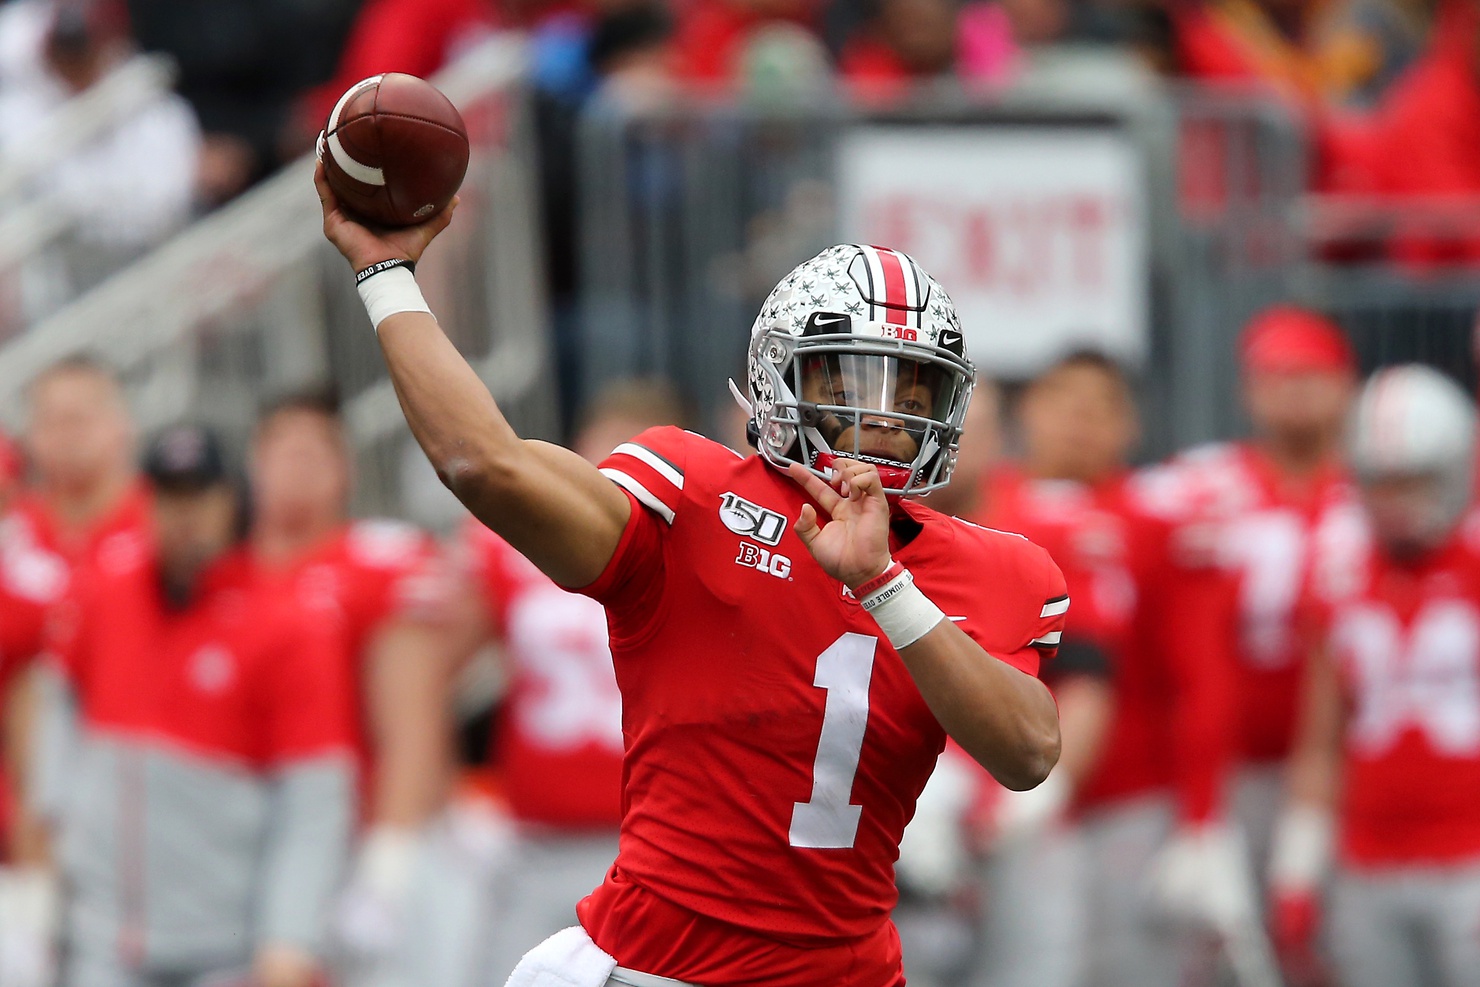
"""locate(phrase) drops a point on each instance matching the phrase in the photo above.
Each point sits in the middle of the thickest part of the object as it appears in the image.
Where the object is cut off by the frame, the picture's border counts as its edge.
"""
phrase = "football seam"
(396, 116)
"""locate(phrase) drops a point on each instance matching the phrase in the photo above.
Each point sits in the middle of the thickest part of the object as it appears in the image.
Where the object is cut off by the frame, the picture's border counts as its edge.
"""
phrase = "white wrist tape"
(902, 611)
(390, 292)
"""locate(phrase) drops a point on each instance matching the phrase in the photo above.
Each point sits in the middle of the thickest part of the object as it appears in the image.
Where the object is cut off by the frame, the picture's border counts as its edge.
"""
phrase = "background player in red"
(558, 752)
(383, 586)
(1262, 511)
(1389, 742)
(32, 580)
(86, 496)
(211, 787)
(746, 604)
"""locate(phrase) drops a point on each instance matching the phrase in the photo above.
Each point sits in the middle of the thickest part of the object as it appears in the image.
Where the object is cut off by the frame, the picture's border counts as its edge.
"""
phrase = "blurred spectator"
(559, 752)
(905, 41)
(713, 35)
(1381, 780)
(210, 787)
(1416, 153)
(134, 182)
(1343, 52)
(243, 63)
(380, 585)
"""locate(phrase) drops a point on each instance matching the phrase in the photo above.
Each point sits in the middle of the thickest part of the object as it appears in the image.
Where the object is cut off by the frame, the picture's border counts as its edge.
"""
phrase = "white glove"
(1019, 816)
(932, 853)
(1204, 876)
(372, 907)
(29, 914)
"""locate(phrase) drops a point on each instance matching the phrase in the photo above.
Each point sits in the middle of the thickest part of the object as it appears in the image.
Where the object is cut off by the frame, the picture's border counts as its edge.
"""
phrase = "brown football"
(395, 150)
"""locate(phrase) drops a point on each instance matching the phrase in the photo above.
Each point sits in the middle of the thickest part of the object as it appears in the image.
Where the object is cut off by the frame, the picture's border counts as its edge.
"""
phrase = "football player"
(558, 752)
(779, 623)
(1387, 761)
(383, 583)
(1262, 512)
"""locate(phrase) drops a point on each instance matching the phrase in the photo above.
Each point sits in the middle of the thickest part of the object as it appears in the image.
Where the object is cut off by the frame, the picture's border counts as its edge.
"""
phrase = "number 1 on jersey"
(828, 820)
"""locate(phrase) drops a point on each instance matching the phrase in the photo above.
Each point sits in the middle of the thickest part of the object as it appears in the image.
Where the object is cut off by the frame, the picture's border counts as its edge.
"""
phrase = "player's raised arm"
(549, 503)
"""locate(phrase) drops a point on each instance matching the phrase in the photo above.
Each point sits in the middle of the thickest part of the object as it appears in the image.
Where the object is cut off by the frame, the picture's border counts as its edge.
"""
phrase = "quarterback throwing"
(792, 637)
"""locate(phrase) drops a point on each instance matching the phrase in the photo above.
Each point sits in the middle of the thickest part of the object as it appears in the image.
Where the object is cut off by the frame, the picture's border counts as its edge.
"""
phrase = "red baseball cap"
(1285, 338)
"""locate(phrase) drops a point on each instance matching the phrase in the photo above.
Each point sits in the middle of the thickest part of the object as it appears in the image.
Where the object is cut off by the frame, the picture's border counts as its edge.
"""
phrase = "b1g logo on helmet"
(751, 520)
(754, 557)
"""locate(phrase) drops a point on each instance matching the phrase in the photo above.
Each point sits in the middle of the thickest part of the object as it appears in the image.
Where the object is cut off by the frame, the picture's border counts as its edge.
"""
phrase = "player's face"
(192, 529)
(1301, 406)
(299, 468)
(1402, 510)
(1078, 423)
(79, 433)
(878, 384)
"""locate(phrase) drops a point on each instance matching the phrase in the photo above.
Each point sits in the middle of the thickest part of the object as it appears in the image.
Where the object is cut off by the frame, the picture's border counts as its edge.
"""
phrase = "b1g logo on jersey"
(754, 557)
(751, 520)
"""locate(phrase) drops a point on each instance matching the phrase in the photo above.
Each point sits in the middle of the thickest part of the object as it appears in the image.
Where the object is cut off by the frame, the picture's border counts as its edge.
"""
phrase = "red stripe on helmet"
(896, 299)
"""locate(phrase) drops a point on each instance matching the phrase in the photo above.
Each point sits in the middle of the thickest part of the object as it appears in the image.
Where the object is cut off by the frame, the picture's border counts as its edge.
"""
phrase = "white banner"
(1038, 233)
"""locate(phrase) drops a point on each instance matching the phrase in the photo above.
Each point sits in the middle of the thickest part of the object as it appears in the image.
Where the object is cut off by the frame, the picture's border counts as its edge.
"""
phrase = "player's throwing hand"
(363, 246)
(854, 547)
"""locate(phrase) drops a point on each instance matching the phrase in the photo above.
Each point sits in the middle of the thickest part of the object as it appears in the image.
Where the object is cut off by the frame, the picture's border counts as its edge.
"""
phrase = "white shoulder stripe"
(643, 495)
(1049, 640)
(659, 465)
(1055, 607)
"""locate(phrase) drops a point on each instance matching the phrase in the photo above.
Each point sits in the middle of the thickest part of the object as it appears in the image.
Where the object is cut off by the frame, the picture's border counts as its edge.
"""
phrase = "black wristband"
(383, 266)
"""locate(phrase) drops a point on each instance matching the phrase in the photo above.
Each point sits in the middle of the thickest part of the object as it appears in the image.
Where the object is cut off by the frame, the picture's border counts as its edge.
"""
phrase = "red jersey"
(363, 576)
(32, 580)
(242, 675)
(776, 743)
(560, 749)
(1267, 539)
(120, 534)
(1172, 725)
(1407, 644)
(1084, 529)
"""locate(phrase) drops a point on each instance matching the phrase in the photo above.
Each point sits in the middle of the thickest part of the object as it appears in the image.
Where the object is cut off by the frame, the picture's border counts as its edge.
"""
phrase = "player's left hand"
(853, 547)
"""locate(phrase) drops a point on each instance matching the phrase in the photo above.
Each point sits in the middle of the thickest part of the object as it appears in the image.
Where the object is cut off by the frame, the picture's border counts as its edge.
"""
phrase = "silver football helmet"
(859, 353)
(1413, 423)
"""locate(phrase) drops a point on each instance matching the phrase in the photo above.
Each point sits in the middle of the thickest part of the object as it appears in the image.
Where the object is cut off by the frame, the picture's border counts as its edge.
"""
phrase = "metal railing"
(252, 301)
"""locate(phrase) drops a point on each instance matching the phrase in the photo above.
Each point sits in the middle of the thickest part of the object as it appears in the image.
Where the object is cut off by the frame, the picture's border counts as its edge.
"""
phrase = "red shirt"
(775, 742)
(361, 578)
(560, 748)
(244, 674)
(1407, 643)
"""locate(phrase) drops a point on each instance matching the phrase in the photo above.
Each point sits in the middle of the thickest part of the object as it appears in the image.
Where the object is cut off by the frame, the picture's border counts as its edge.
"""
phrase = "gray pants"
(1257, 799)
(535, 895)
(1034, 912)
(1128, 943)
(1415, 926)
